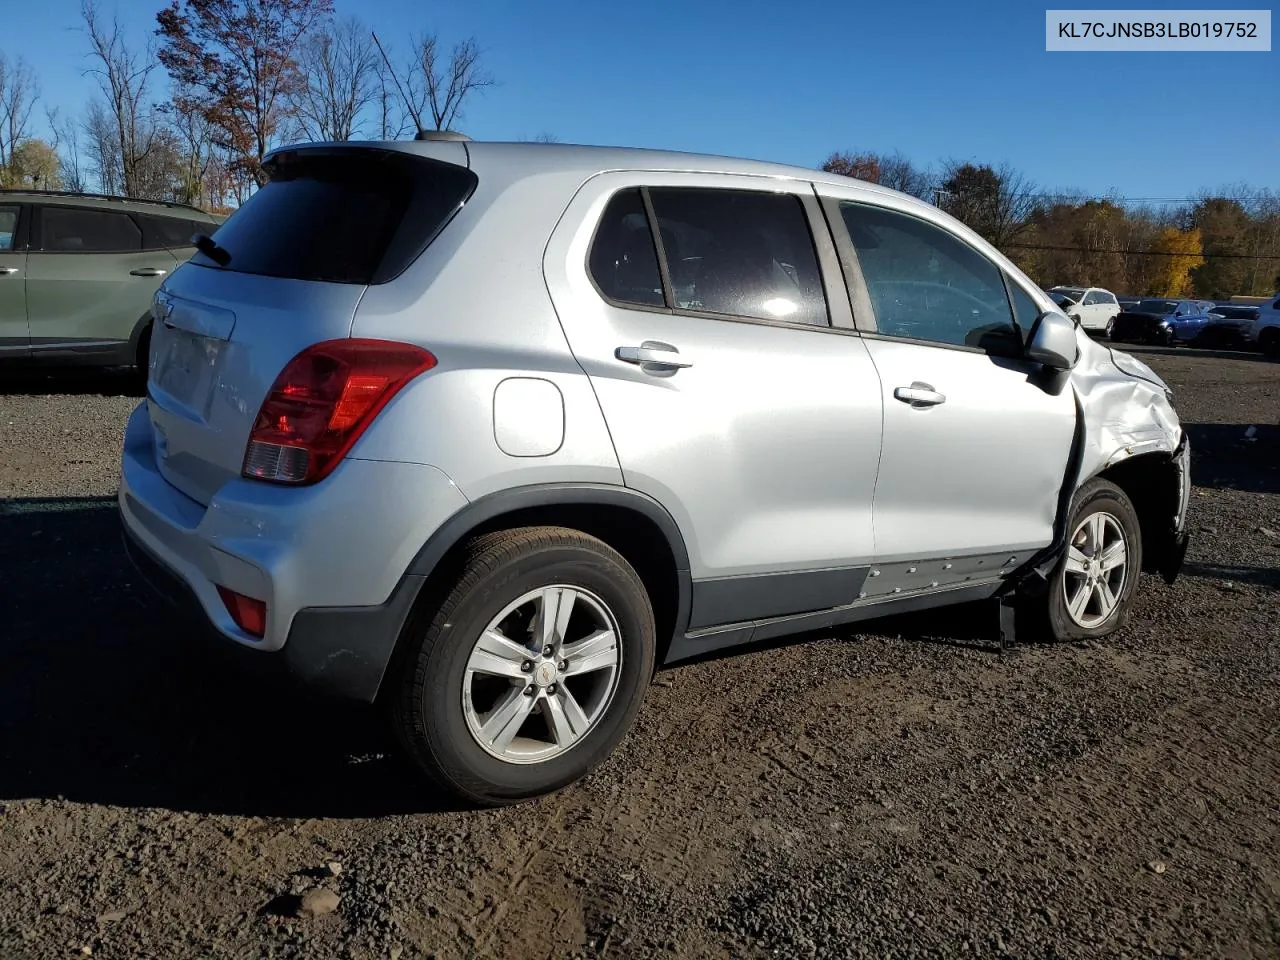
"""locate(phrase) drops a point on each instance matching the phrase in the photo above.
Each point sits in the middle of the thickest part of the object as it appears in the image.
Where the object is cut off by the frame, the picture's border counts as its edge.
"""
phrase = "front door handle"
(148, 272)
(919, 395)
(8, 271)
(652, 352)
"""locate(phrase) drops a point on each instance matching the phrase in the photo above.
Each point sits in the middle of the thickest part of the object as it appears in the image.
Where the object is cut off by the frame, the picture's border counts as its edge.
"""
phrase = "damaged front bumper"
(1173, 551)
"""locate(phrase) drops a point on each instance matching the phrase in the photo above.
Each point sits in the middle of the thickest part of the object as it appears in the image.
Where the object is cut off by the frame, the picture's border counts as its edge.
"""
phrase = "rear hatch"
(288, 271)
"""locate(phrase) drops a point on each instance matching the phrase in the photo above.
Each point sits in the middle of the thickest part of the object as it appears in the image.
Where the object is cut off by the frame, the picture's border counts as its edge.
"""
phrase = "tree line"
(244, 76)
(1213, 246)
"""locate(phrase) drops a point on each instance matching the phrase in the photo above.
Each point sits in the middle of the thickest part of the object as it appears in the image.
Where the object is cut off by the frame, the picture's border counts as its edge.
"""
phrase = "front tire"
(1092, 588)
(531, 670)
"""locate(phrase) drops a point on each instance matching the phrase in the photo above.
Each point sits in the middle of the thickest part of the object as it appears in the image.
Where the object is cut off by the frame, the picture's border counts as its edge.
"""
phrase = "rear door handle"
(651, 352)
(8, 271)
(919, 395)
(148, 272)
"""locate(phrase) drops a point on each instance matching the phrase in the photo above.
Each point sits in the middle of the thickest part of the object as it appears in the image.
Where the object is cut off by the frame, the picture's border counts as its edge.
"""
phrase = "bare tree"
(66, 141)
(18, 95)
(441, 86)
(103, 145)
(236, 61)
(122, 76)
(996, 202)
(340, 73)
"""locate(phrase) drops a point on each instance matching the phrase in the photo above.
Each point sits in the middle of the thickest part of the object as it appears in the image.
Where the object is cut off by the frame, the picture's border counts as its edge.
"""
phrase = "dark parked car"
(1161, 321)
(1229, 324)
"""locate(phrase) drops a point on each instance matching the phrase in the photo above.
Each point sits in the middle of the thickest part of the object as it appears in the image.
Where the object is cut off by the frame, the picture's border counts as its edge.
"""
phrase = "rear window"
(342, 215)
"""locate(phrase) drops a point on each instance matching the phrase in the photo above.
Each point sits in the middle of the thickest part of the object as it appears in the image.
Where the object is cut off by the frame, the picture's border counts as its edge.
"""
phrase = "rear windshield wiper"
(205, 245)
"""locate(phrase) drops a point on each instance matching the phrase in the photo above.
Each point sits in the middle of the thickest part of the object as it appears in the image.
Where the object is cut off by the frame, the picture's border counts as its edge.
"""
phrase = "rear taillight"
(322, 401)
(249, 613)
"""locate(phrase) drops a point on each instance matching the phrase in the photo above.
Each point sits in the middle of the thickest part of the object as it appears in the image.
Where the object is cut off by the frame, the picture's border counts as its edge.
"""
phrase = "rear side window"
(71, 230)
(623, 261)
(342, 216)
(8, 227)
(926, 284)
(740, 253)
(164, 232)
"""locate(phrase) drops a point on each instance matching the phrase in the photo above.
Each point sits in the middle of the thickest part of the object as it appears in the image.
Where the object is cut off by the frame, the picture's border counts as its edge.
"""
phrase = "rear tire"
(458, 683)
(1091, 590)
(1269, 343)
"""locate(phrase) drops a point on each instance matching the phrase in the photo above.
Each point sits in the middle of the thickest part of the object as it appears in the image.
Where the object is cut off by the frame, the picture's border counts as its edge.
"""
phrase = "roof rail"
(98, 196)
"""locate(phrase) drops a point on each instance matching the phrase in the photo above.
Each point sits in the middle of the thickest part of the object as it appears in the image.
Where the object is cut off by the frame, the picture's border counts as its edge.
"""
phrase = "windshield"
(1156, 306)
(1061, 299)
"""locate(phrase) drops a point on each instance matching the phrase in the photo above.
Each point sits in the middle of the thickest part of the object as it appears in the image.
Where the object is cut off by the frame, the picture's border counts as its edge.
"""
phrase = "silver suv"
(486, 432)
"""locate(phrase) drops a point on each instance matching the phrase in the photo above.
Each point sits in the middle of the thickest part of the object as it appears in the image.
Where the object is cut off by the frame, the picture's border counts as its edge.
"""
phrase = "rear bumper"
(330, 561)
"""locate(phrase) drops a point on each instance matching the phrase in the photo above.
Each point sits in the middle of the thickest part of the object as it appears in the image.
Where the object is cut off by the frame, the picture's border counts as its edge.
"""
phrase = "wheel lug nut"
(547, 651)
(529, 690)
(564, 664)
(551, 689)
(527, 666)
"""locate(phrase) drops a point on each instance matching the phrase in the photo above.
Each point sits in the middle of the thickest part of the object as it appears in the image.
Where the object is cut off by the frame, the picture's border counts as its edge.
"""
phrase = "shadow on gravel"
(1257, 576)
(1198, 352)
(1224, 457)
(103, 700)
(77, 381)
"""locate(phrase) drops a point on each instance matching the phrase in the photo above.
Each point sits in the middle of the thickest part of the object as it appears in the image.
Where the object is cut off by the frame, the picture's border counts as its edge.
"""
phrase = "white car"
(1093, 307)
(1266, 329)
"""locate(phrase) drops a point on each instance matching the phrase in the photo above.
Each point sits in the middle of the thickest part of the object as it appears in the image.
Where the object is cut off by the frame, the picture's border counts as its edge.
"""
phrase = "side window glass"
(1090, 299)
(622, 259)
(926, 284)
(8, 227)
(167, 232)
(1026, 311)
(740, 253)
(68, 230)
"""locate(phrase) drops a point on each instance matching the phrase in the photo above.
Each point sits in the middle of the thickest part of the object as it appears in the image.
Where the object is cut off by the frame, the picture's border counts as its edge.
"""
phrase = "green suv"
(78, 271)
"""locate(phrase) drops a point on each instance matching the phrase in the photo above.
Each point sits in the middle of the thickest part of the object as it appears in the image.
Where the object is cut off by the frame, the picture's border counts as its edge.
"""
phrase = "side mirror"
(1053, 342)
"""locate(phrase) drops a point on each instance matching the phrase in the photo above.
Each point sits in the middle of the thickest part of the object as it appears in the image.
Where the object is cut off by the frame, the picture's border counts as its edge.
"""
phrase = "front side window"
(70, 230)
(1091, 298)
(8, 227)
(1026, 311)
(622, 260)
(168, 232)
(926, 284)
(740, 253)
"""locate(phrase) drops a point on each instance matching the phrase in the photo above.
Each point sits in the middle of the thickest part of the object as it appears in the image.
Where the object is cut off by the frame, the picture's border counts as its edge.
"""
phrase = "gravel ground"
(891, 791)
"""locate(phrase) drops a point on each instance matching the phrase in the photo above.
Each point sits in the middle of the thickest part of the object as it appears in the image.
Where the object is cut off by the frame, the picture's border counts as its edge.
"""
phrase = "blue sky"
(793, 81)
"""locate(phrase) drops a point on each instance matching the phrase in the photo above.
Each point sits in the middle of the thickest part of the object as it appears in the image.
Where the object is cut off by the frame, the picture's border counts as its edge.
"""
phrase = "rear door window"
(74, 230)
(623, 262)
(341, 215)
(740, 253)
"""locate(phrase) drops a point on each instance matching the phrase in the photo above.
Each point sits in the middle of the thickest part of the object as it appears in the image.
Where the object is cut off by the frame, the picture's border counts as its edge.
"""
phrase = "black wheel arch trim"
(494, 505)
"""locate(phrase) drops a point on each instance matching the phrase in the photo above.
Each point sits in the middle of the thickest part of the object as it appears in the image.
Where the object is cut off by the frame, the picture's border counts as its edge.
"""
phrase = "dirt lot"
(891, 791)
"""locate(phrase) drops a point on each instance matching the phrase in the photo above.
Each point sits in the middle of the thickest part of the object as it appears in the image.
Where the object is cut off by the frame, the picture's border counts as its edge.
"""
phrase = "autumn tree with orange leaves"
(235, 62)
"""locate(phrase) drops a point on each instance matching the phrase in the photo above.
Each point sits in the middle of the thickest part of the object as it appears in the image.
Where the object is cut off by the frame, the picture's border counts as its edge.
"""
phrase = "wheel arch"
(634, 524)
(1152, 483)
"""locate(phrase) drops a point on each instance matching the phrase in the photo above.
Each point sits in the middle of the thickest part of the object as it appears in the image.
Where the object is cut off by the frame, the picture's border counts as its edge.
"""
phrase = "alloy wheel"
(542, 674)
(1096, 568)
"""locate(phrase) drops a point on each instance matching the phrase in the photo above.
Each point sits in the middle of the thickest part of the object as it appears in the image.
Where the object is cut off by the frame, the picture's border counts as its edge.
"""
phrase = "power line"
(1077, 198)
(1144, 253)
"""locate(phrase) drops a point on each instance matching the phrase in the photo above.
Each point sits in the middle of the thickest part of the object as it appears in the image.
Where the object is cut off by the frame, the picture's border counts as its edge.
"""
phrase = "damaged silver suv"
(487, 432)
